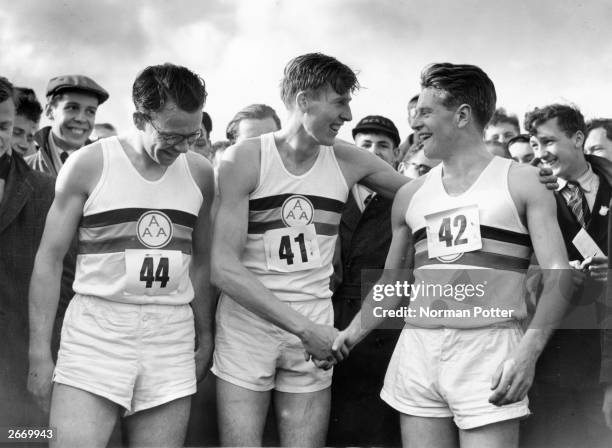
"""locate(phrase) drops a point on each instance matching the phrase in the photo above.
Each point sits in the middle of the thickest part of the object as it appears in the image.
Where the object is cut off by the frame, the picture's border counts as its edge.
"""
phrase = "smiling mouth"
(77, 131)
(335, 127)
(423, 137)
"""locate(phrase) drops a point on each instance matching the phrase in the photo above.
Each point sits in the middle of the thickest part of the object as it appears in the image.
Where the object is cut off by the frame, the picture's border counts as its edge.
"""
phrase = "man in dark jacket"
(358, 415)
(72, 103)
(566, 398)
(25, 197)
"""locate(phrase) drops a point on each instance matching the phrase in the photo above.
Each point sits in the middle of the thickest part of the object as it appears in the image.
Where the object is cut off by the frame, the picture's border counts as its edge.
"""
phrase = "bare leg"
(241, 413)
(428, 431)
(303, 417)
(161, 426)
(497, 435)
(81, 418)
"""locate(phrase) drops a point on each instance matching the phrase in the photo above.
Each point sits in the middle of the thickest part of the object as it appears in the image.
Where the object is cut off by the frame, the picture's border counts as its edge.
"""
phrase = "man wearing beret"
(72, 103)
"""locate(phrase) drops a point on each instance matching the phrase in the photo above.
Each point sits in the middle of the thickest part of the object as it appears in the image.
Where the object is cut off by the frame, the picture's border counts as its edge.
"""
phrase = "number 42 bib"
(453, 231)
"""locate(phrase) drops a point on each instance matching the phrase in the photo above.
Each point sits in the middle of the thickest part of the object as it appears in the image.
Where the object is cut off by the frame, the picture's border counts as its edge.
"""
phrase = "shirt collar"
(585, 180)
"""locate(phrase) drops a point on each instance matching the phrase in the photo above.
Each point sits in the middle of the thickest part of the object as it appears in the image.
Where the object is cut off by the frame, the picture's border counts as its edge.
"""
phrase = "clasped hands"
(326, 346)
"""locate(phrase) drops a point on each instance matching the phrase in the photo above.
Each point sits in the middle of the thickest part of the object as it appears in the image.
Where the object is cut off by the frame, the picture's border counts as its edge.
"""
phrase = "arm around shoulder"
(359, 166)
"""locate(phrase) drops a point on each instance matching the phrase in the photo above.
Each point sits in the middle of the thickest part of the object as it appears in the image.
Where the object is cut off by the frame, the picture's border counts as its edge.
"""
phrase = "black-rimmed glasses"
(173, 138)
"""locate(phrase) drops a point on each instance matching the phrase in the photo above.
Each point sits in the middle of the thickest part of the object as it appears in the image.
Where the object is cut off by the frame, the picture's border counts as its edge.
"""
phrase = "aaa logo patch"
(154, 229)
(297, 210)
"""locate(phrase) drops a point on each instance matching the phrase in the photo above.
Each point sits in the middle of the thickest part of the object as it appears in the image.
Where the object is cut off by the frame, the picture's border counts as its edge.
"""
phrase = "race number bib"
(153, 272)
(453, 231)
(292, 249)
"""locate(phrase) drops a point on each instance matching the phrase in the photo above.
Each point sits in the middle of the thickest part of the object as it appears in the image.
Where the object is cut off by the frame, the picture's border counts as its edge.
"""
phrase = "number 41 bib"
(453, 231)
(292, 249)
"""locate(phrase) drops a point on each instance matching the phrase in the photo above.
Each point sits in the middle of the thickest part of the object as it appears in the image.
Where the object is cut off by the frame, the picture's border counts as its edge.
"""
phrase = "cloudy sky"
(535, 51)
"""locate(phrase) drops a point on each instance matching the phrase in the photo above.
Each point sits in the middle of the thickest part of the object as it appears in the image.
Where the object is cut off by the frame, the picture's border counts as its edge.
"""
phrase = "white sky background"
(536, 52)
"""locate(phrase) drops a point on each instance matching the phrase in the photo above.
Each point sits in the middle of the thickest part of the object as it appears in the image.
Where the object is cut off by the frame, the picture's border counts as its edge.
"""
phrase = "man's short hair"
(250, 112)
(605, 123)
(500, 116)
(521, 138)
(207, 122)
(156, 85)
(315, 71)
(569, 118)
(463, 84)
(6, 90)
(27, 105)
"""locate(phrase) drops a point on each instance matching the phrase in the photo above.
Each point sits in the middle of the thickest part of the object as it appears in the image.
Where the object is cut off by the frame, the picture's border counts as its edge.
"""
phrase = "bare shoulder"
(82, 170)
(201, 169)
(524, 183)
(239, 166)
(406, 192)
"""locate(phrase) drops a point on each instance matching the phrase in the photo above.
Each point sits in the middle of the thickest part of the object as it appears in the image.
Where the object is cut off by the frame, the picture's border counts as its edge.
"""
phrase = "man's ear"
(139, 121)
(302, 100)
(463, 115)
(579, 140)
(396, 153)
(49, 109)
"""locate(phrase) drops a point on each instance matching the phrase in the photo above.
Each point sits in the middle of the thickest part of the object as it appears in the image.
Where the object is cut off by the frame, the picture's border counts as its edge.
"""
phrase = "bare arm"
(237, 178)
(399, 264)
(513, 379)
(71, 191)
(204, 301)
(359, 166)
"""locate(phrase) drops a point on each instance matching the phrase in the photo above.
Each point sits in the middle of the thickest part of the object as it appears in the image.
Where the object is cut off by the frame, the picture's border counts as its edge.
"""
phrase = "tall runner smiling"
(281, 198)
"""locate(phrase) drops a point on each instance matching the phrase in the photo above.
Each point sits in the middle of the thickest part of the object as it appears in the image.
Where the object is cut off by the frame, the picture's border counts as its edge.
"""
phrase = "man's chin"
(17, 150)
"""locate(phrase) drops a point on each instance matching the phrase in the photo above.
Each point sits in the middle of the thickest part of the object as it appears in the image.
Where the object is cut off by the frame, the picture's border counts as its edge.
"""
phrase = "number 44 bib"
(454, 231)
(152, 272)
(292, 249)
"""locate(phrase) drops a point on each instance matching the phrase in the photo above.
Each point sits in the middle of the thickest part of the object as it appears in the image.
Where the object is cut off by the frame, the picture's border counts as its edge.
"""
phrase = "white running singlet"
(135, 234)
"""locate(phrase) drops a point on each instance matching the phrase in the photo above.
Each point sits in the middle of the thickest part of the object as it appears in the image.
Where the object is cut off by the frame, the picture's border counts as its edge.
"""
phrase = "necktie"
(63, 156)
(367, 200)
(5, 165)
(576, 201)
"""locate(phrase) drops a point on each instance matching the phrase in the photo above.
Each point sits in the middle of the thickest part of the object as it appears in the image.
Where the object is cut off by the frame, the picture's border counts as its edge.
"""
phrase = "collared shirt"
(589, 184)
(361, 194)
(56, 151)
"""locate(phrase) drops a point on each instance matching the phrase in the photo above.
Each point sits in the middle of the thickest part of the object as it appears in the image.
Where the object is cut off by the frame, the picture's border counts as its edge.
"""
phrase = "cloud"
(535, 52)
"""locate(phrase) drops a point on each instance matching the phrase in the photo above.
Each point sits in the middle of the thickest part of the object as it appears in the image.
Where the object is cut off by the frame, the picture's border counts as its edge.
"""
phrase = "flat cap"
(76, 83)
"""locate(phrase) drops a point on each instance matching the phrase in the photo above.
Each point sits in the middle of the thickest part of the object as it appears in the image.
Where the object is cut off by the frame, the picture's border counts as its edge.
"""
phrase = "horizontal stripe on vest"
(116, 245)
(318, 202)
(477, 259)
(489, 246)
(320, 227)
(275, 215)
(121, 215)
(126, 229)
(492, 233)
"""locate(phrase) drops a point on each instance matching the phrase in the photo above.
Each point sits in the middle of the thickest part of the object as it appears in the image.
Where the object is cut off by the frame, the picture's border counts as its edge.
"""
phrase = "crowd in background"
(569, 392)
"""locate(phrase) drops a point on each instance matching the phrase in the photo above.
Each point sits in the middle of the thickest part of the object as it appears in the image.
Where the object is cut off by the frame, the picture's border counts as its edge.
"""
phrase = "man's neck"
(581, 168)
(297, 143)
(467, 155)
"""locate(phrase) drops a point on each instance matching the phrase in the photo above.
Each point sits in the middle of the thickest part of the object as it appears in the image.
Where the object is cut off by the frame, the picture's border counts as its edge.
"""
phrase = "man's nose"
(347, 115)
